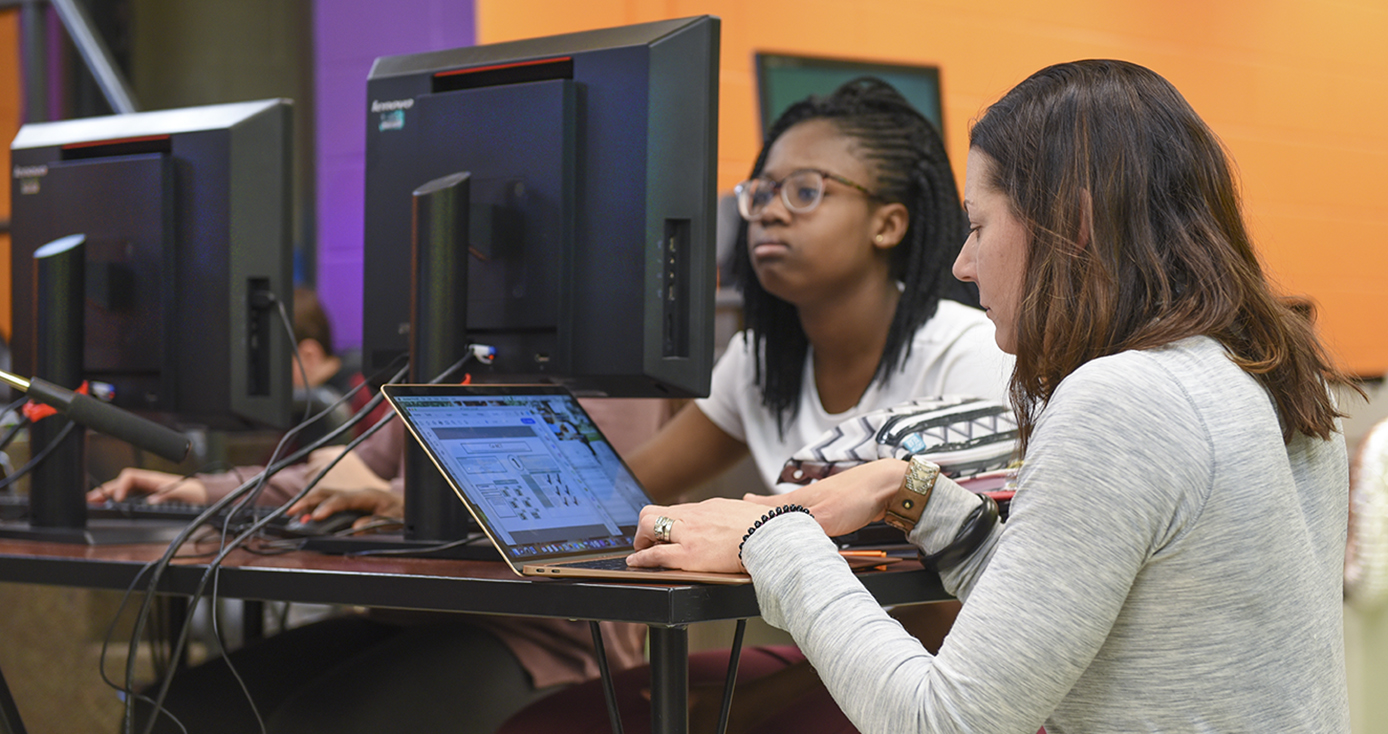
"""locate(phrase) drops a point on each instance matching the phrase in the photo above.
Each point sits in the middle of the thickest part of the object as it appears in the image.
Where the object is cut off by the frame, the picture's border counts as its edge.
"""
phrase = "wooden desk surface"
(417, 583)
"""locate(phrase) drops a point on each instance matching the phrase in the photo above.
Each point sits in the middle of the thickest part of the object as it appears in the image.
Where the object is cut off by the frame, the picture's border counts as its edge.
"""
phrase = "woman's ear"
(889, 224)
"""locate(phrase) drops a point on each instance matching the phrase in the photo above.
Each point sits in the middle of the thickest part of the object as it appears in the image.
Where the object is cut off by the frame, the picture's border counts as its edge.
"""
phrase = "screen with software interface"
(535, 467)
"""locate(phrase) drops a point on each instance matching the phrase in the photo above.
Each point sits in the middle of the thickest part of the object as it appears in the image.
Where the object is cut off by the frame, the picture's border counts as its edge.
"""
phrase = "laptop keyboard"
(602, 564)
(618, 563)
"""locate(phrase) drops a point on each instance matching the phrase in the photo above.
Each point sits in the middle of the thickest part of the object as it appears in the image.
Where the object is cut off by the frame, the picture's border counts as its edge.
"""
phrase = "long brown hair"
(1165, 255)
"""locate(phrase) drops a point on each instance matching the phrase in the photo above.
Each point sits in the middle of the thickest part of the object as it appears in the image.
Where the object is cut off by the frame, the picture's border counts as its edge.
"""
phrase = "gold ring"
(662, 528)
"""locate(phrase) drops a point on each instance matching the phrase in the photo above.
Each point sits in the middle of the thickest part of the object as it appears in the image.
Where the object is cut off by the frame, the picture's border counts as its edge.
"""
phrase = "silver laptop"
(539, 477)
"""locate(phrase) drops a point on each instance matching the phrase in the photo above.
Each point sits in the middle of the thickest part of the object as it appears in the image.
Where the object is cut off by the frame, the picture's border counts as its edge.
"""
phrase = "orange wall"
(1298, 90)
(10, 116)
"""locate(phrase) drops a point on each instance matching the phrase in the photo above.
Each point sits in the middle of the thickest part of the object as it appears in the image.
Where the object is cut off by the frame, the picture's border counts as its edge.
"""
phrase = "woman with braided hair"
(852, 221)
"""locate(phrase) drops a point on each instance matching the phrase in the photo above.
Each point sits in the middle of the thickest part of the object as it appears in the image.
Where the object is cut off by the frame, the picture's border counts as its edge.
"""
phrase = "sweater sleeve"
(1043, 592)
(278, 489)
(383, 452)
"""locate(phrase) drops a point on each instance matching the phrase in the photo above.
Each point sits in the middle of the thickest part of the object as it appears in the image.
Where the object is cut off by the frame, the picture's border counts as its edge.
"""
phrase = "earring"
(879, 239)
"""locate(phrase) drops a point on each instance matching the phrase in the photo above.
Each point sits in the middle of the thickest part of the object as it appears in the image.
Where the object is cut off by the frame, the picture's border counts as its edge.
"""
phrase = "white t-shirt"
(952, 354)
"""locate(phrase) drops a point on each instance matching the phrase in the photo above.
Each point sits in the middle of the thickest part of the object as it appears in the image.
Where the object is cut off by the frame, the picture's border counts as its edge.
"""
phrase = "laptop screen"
(531, 463)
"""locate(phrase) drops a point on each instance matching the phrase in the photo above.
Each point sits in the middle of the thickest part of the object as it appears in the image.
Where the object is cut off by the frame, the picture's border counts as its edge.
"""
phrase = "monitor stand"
(58, 483)
(436, 524)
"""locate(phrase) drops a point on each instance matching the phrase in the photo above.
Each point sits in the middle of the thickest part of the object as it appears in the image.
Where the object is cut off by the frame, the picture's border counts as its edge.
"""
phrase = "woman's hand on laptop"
(159, 486)
(704, 537)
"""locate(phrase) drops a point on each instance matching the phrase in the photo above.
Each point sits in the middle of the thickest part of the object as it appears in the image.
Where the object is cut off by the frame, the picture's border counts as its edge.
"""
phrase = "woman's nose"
(964, 264)
(775, 210)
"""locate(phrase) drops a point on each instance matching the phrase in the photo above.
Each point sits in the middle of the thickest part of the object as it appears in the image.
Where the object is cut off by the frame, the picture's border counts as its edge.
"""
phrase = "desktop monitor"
(592, 162)
(186, 217)
(784, 79)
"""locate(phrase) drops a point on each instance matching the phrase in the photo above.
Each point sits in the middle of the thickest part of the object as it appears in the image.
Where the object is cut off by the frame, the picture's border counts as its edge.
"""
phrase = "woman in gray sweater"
(1172, 559)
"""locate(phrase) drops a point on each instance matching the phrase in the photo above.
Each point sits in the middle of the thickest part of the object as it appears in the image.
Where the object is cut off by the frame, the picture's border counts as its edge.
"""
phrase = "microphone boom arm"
(103, 417)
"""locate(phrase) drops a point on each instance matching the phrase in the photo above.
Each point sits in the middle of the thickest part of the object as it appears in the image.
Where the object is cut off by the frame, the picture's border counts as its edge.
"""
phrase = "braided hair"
(907, 160)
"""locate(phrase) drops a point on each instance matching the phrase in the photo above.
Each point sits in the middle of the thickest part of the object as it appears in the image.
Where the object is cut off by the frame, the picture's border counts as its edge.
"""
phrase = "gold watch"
(908, 504)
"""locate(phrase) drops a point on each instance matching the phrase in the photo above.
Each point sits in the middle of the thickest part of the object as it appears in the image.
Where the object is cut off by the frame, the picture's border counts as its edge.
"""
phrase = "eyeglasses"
(801, 191)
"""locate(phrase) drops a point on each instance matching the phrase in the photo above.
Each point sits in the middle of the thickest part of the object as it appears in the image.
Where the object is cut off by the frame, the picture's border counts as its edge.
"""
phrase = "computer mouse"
(305, 525)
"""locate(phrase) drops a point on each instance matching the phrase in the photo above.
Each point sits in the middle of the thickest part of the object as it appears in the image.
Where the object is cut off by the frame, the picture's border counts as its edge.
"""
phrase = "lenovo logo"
(392, 105)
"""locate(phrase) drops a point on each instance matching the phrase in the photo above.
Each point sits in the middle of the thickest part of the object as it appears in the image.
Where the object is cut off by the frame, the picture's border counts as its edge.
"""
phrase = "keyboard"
(16, 507)
(616, 563)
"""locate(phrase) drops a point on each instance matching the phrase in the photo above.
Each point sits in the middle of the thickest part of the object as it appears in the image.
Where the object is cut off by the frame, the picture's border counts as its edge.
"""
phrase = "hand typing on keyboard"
(351, 485)
(156, 486)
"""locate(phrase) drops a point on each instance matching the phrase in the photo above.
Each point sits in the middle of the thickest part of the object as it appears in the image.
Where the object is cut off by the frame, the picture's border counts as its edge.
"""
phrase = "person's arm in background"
(198, 489)
(687, 452)
(367, 479)
(703, 439)
(371, 478)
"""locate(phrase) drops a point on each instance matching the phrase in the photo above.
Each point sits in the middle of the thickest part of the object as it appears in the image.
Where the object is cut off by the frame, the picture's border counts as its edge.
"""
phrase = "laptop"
(539, 477)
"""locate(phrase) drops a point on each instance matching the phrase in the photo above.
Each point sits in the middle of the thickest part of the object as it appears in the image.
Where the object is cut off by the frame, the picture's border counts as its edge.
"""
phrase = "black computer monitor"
(592, 162)
(186, 216)
(784, 79)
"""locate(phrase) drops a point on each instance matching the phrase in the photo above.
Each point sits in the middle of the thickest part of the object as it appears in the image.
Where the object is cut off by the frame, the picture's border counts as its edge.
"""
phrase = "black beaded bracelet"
(775, 512)
(971, 535)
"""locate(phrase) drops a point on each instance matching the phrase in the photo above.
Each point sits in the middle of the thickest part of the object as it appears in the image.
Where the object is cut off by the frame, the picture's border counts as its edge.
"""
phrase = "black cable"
(156, 625)
(221, 645)
(14, 430)
(157, 568)
(416, 551)
(352, 422)
(730, 681)
(298, 358)
(215, 564)
(127, 693)
(21, 400)
(38, 458)
(609, 691)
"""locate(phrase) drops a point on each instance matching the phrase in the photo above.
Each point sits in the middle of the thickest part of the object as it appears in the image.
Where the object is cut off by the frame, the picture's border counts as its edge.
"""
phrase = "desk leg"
(669, 680)
(252, 621)
(10, 722)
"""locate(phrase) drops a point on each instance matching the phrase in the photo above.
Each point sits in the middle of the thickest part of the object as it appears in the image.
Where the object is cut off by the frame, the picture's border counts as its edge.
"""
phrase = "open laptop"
(537, 474)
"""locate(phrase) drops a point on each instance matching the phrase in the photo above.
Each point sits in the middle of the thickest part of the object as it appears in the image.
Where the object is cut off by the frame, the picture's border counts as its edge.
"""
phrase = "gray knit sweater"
(1170, 565)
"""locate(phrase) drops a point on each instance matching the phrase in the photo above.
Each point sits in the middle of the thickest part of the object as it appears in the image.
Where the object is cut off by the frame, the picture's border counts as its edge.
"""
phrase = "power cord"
(475, 351)
(157, 568)
(37, 458)
(294, 346)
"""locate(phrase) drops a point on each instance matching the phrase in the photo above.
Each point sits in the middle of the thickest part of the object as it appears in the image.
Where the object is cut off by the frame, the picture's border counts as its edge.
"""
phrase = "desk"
(442, 585)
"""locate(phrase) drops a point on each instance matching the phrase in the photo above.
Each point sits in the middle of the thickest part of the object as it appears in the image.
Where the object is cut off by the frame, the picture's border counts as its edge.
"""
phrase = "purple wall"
(348, 36)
